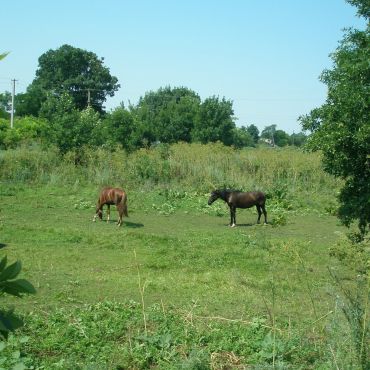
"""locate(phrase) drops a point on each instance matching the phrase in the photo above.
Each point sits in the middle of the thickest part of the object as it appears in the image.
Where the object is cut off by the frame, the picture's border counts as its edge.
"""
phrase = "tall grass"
(194, 166)
(289, 175)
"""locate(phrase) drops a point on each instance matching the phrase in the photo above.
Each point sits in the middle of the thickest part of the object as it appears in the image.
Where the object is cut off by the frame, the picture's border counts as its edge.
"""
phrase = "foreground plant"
(9, 321)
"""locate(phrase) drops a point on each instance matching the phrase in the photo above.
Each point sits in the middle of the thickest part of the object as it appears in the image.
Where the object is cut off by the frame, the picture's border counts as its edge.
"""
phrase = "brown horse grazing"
(110, 196)
(239, 199)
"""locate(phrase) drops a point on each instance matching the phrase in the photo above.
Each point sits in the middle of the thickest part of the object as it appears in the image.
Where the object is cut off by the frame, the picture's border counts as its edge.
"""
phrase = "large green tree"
(215, 121)
(341, 130)
(71, 70)
(167, 115)
(242, 137)
(341, 126)
(70, 128)
(281, 138)
(119, 128)
(254, 132)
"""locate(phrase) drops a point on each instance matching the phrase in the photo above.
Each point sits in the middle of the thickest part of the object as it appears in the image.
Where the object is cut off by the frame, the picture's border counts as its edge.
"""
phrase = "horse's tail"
(124, 201)
(125, 210)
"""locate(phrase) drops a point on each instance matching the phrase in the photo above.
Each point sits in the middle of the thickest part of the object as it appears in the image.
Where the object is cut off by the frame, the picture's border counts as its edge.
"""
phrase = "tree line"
(64, 106)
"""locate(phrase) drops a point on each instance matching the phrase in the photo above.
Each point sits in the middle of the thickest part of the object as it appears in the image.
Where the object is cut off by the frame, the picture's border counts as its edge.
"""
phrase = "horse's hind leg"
(120, 210)
(264, 213)
(259, 213)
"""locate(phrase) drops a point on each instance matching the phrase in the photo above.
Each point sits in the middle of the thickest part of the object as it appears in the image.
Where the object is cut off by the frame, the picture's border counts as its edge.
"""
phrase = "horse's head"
(214, 196)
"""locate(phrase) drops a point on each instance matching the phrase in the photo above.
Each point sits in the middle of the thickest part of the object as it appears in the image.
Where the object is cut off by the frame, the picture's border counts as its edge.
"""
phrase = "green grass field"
(174, 287)
(177, 256)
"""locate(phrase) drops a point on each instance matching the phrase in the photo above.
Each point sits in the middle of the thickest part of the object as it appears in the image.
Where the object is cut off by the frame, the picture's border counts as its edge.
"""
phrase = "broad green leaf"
(9, 322)
(11, 271)
(22, 286)
(3, 263)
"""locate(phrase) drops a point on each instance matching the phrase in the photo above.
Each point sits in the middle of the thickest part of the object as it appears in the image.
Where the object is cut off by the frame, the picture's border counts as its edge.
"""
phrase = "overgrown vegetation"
(341, 131)
(210, 297)
(213, 297)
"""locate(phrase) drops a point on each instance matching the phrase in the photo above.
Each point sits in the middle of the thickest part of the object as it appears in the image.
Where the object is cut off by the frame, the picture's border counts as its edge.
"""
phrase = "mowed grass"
(185, 258)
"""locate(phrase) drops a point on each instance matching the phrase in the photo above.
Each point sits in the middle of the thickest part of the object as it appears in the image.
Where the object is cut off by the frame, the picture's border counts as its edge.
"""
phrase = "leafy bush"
(16, 287)
(112, 335)
(26, 130)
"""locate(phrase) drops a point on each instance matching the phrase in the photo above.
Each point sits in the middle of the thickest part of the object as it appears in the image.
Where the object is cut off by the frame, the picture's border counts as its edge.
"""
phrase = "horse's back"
(248, 199)
(109, 195)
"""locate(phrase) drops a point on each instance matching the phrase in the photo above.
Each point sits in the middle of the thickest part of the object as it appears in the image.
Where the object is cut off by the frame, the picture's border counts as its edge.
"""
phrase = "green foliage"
(3, 55)
(340, 128)
(27, 130)
(268, 132)
(70, 127)
(110, 334)
(254, 132)
(11, 353)
(214, 121)
(69, 70)
(119, 128)
(354, 298)
(292, 178)
(28, 165)
(281, 138)
(298, 139)
(167, 115)
(30, 102)
(363, 7)
(12, 286)
(242, 138)
(5, 104)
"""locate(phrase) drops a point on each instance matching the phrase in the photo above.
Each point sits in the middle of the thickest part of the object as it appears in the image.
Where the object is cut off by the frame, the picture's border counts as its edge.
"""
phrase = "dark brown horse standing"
(111, 196)
(240, 199)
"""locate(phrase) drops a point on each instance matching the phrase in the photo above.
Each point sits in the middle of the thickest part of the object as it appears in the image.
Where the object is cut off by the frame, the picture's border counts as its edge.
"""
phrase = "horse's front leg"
(108, 212)
(98, 213)
(233, 216)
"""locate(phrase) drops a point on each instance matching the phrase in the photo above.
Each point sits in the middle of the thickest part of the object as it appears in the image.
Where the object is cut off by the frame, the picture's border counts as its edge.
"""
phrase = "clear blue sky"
(264, 55)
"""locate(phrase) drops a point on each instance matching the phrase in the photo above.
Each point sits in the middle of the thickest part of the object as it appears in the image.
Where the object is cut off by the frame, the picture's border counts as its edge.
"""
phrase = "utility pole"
(88, 98)
(12, 111)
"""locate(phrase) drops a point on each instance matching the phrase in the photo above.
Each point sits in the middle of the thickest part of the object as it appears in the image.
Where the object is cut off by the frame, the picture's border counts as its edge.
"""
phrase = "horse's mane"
(228, 191)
